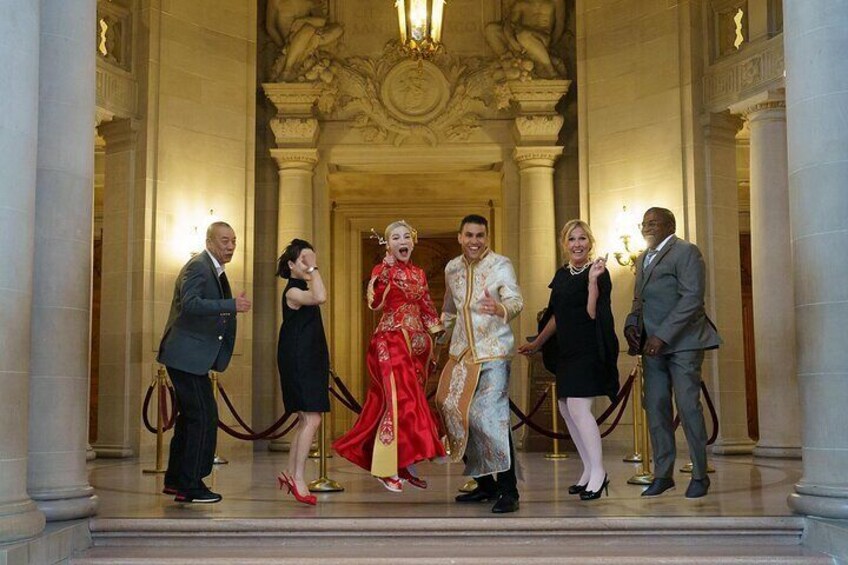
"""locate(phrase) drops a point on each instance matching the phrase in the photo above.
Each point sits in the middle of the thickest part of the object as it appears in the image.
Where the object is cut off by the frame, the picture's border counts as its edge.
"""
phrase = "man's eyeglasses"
(651, 224)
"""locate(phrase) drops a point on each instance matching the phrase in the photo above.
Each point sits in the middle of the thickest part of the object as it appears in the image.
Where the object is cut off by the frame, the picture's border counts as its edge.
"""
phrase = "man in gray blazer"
(199, 337)
(669, 327)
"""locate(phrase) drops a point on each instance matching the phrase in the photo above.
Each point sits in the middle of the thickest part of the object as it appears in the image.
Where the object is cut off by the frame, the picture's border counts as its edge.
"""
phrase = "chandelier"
(420, 24)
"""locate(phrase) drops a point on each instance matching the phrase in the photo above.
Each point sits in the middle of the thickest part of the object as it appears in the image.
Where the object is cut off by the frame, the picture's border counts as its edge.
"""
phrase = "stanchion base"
(633, 458)
(556, 456)
(688, 468)
(152, 471)
(220, 461)
(469, 485)
(641, 479)
(325, 485)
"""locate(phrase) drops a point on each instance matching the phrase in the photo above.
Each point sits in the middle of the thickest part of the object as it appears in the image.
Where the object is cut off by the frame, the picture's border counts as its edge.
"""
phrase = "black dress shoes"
(506, 503)
(576, 489)
(476, 495)
(698, 488)
(198, 497)
(594, 495)
(658, 486)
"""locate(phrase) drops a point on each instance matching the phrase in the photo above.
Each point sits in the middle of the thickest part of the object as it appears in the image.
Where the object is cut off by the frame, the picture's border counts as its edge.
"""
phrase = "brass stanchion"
(160, 383)
(687, 468)
(469, 485)
(555, 455)
(214, 376)
(636, 392)
(643, 476)
(323, 483)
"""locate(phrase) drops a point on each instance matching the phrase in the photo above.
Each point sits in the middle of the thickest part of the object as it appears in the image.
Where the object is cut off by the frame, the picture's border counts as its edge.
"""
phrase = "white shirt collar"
(219, 268)
(661, 245)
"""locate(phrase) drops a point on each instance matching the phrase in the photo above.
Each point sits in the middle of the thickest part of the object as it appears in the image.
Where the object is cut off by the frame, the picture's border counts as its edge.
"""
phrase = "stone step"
(572, 552)
(459, 541)
(778, 530)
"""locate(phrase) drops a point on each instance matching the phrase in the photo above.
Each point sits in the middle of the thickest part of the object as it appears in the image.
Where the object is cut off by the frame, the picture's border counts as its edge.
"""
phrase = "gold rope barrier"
(160, 381)
(214, 376)
(323, 483)
(636, 395)
(643, 475)
(555, 455)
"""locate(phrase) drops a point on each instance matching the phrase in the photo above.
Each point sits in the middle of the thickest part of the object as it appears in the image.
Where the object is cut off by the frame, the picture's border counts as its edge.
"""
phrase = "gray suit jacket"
(201, 329)
(668, 299)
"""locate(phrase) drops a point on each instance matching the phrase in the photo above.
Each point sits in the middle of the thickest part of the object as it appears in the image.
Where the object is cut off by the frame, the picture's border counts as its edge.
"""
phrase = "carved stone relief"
(306, 38)
(391, 98)
(527, 39)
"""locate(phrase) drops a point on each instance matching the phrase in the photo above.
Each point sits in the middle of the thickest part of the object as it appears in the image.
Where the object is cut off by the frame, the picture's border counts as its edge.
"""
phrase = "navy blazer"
(201, 330)
(668, 300)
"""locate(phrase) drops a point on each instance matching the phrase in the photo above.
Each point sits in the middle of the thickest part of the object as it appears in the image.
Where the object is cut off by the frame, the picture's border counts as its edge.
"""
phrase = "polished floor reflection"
(741, 487)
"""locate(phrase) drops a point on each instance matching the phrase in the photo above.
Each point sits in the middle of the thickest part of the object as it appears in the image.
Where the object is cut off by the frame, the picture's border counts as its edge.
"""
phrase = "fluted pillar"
(19, 517)
(774, 304)
(61, 302)
(537, 232)
(815, 43)
(118, 387)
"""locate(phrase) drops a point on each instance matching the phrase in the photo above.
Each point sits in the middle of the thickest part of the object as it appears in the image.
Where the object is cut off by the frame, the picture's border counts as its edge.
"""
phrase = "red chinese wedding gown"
(396, 427)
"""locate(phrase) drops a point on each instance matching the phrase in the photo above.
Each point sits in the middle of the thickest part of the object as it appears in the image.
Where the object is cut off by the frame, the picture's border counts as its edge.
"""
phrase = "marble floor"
(741, 487)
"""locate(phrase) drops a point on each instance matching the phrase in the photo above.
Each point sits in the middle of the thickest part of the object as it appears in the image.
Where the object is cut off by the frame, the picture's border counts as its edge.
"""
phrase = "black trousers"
(506, 482)
(195, 432)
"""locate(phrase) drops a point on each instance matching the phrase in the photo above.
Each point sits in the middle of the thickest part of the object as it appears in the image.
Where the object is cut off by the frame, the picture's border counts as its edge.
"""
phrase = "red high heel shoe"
(310, 499)
(407, 476)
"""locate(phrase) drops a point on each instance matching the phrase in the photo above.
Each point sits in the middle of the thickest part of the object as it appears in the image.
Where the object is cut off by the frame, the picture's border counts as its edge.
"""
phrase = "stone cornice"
(527, 157)
(537, 96)
(293, 99)
(755, 69)
(300, 159)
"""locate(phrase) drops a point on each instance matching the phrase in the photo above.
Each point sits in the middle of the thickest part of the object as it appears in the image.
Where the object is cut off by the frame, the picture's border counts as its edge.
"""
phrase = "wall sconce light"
(420, 26)
(627, 227)
(195, 238)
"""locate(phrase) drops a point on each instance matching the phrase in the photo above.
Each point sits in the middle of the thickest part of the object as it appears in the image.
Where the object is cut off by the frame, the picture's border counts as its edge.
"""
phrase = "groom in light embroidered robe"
(481, 298)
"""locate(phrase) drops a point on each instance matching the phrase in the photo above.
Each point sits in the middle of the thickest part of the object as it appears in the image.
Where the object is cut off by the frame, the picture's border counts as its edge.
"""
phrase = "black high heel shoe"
(576, 489)
(593, 495)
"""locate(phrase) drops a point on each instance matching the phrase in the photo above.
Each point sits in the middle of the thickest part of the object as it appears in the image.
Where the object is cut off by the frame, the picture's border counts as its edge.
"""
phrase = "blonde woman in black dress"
(302, 359)
(580, 317)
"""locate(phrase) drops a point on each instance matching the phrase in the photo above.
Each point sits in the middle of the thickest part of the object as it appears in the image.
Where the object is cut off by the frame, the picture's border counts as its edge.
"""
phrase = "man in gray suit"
(199, 337)
(669, 327)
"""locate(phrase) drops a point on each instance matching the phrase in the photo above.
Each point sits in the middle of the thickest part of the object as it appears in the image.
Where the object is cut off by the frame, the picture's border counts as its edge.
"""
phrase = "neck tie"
(225, 285)
(649, 256)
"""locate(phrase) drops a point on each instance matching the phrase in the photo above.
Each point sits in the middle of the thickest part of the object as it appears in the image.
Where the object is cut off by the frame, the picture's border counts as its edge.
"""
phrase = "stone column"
(774, 304)
(538, 248)
(536, 131)
(817, 141)
(19, 517)
(117, 436)
(717, 234)
(61, 301)
(296, 131)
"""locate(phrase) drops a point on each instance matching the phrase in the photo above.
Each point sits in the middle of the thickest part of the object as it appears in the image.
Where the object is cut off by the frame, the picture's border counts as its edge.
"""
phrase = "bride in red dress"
(396, 428)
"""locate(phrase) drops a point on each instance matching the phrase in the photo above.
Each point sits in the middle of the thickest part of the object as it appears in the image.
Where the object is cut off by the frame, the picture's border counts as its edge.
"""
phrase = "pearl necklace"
(577, 271)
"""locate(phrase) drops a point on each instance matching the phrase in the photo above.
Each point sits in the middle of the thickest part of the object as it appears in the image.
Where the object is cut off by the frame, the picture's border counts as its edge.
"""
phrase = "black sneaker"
(198, 497)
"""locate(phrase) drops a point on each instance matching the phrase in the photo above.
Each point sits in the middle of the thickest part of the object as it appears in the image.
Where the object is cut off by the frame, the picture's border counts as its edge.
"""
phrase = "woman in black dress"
(302, 359)
(580, 315)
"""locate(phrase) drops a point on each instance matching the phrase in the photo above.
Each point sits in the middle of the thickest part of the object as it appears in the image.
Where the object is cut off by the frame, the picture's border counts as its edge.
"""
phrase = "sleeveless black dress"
(303, 359)
(587, 349)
